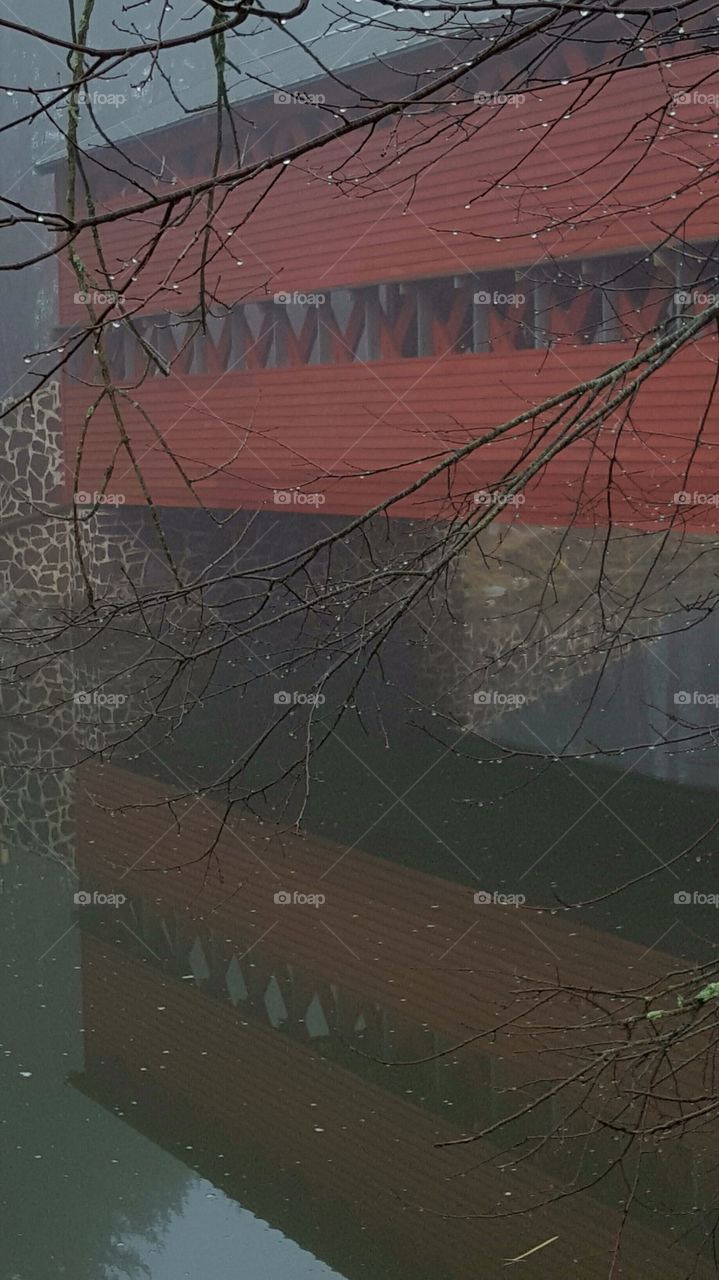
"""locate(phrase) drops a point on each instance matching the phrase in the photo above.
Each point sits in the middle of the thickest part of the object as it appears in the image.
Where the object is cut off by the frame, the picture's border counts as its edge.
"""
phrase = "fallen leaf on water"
(521, 1256)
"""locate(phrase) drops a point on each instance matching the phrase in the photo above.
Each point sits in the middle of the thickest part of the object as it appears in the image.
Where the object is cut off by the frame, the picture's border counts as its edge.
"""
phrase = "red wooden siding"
(545, 184)
(584, 177)
(323, 428)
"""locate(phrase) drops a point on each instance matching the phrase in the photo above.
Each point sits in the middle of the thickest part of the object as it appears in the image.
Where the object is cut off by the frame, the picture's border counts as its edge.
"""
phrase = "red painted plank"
(321, 428)
(614, 173)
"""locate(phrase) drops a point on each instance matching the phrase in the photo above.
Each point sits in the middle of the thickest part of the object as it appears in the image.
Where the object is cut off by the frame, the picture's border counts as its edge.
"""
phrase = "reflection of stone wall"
(35, 746)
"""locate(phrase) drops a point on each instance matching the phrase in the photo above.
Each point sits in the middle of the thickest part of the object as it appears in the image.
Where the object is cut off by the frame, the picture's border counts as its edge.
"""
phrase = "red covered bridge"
(397, 293)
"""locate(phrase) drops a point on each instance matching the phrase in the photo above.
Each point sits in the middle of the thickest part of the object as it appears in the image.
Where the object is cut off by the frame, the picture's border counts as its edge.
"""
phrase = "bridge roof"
(264, 57)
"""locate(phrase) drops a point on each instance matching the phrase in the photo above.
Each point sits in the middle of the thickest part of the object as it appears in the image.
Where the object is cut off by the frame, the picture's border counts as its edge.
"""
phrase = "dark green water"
(277, 1143)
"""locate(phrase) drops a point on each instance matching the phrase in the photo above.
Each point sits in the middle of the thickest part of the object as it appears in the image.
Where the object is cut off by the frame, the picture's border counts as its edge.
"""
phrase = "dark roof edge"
(57, 158)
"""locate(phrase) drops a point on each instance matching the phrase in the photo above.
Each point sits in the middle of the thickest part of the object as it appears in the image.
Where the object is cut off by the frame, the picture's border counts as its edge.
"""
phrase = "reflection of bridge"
(255, 1064)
